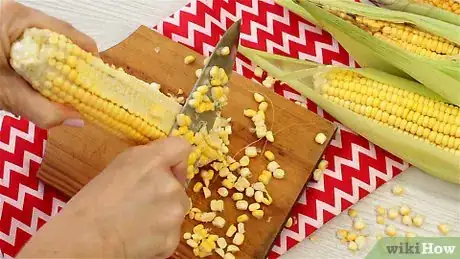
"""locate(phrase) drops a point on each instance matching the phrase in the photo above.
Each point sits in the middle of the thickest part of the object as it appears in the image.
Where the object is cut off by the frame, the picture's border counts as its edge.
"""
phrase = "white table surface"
(110, 21)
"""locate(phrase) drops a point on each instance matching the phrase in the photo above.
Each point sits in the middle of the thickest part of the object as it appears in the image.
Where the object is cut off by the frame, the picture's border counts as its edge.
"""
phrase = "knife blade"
(230, 39)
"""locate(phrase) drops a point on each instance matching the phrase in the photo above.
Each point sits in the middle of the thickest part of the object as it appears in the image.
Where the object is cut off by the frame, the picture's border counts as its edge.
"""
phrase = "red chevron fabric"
(356, 167)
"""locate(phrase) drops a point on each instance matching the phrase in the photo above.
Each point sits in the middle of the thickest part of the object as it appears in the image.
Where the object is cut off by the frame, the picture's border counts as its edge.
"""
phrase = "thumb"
(26, 102)
(174, 155)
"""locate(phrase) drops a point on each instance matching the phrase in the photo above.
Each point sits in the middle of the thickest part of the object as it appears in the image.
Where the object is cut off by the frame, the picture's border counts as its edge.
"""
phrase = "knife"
(230, 39)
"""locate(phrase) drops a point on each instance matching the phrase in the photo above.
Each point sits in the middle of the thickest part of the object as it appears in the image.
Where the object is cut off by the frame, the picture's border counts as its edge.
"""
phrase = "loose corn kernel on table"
(438, 201)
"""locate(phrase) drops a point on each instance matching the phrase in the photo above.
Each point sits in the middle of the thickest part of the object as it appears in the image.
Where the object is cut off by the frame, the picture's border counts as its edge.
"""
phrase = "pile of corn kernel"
(356, 238)
(211, 148)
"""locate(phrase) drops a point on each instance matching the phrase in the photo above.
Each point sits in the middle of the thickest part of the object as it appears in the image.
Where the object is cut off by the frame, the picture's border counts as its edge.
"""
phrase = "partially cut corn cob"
(444, 10)
(400, 115)
(104, 95)
(399, 43)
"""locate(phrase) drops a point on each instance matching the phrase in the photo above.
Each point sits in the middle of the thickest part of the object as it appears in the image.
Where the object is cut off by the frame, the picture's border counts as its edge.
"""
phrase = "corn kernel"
(250, 192)
(392, 213)
(206, 192)
(254, 206)
(381, 211)
(245, 172)
(279, 173)
(358, 224)
(390, 231)
(406, 220)
(352, 246)
(250, 113)
(187, 235)
(217, 205)
(269, 136)
(444, 229)
(189, 60)
(237, 196)
(241, 228)
(198, 72)
(272, 166)
(197, 187)
(263, 106)
(320, 138)
(244, 161)
(341, 233)
(258, 186)
(251, 152)
(242, 205)
(323, 165)
(269, 155)
(231, 231)
(258, 97)
(258, 214)
(258, 72)
(318, 175)
(223, 192)
(238, 239)
(380, 220)
(192, 243)
(228, 184)
(224, 172)
(360, 242)
(221, 242)
(234, 166)
(232, 249)
(352, 213)
(289, 223)
(418, 220)
(259, 196)
(225, 51)
(397, 190)
(207, 216)
(269, 82)
(351, 236)
(231, 177)
(404, 210)
(218, 222)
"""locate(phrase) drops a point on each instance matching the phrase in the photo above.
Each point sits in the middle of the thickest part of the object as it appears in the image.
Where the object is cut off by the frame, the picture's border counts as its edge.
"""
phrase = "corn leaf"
(421, 9)
(434, 161)
(440, 75)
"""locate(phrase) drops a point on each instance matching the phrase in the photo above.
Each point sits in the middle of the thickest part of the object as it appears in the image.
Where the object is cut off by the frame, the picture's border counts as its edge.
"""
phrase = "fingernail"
(77, 123)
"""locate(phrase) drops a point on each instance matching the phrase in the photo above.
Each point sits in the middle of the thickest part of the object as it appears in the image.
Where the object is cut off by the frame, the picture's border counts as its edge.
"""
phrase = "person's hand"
(16, 95)
(133, 209)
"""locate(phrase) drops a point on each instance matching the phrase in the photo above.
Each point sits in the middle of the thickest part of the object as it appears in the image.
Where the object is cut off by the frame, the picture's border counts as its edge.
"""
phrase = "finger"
(28, 103)
(36, 18)
(180, 172)
(173, 150)
(171, 243)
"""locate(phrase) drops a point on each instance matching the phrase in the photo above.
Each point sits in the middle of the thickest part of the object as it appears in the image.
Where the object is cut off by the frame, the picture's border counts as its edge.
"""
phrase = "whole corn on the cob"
(444, 10)
(399, 43)
(397, 114)
(104, 95)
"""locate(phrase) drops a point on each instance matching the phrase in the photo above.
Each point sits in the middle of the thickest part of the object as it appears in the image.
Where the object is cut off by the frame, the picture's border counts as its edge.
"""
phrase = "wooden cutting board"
(74, 156)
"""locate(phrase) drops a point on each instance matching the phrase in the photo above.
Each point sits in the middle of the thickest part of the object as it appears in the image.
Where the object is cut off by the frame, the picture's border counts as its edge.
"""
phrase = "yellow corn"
(405, 36)
(242, 218)
(423, 118)
(448, 5)
(106, 96)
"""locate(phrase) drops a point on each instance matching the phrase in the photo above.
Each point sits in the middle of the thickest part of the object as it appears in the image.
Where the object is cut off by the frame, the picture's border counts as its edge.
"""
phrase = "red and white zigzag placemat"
(356, 167)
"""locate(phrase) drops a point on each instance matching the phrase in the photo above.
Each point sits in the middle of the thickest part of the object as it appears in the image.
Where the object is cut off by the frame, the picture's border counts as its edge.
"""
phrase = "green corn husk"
(421, 9)
(434, 161)
(440, 75)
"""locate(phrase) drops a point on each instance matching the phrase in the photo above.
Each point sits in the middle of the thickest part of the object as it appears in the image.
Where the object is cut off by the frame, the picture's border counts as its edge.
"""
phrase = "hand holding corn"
(133, 209)
(16, 95)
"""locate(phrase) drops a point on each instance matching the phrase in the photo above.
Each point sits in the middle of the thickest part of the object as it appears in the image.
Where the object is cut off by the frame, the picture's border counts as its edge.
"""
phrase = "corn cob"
(444, 10)
(397, 114)
(104, 95)
(399, 43)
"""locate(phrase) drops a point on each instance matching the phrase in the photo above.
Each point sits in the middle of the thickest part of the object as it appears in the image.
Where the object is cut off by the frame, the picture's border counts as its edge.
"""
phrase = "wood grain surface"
(74, 156)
